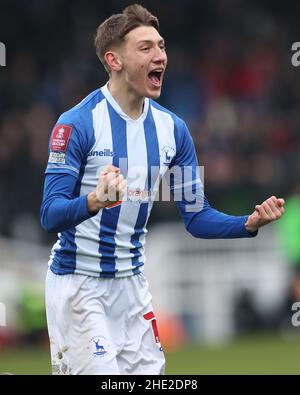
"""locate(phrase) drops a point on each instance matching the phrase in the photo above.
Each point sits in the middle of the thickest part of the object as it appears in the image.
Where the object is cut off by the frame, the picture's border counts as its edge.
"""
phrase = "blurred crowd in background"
(229, 76)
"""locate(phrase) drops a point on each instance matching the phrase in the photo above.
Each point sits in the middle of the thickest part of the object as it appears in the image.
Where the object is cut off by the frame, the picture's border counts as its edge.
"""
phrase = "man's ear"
(113, 60)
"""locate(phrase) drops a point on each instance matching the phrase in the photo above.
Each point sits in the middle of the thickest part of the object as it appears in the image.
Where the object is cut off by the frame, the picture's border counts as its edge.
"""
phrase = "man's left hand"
(270, 210)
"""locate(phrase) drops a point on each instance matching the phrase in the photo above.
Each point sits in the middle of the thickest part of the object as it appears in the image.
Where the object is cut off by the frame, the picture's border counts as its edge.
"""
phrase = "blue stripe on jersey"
(153, 159)
(138, 231)
(110, 216)
(152, 146)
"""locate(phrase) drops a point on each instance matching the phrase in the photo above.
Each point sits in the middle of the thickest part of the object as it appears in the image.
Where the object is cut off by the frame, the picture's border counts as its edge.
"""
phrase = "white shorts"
(102, 326)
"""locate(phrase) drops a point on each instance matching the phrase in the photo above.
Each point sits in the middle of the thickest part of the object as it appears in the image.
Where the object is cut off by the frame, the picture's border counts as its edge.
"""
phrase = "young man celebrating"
(107, 156)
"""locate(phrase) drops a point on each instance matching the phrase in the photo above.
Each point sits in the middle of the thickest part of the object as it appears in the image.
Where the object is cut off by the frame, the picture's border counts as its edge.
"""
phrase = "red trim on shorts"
(150, 316)
(155, 330)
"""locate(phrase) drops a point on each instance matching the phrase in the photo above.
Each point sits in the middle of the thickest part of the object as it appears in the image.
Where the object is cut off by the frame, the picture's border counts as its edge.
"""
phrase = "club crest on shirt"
(167, 153)
(100, 346)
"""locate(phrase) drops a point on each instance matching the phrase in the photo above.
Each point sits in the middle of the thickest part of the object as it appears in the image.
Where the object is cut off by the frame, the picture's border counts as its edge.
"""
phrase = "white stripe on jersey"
(165, 133)
(136, 178)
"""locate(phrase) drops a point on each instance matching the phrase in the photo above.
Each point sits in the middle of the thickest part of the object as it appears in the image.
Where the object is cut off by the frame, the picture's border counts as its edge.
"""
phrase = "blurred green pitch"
(252, 355)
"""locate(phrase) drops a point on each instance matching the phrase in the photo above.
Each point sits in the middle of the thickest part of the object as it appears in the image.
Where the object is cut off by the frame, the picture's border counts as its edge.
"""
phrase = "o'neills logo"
(105, 152)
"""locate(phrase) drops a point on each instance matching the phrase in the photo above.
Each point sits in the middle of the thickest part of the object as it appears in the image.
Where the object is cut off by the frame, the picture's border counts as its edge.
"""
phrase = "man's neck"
(130, 103)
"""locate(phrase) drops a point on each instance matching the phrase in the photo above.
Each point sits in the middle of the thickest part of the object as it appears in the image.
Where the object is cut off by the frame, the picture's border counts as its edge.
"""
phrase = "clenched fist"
(270, 210)
(110, 189)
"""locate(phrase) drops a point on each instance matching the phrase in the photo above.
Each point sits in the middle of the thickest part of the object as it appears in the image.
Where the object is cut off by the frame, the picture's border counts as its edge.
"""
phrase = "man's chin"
(153, 94)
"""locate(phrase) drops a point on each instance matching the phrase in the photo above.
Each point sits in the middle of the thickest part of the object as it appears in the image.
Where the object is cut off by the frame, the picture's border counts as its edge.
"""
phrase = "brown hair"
(112, 31)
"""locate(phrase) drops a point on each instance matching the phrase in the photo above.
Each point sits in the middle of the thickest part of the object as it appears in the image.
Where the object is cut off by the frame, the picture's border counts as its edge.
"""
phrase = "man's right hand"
(110, 189)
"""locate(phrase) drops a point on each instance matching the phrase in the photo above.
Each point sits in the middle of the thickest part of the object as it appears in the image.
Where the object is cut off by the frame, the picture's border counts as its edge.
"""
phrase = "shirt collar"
(109, 97)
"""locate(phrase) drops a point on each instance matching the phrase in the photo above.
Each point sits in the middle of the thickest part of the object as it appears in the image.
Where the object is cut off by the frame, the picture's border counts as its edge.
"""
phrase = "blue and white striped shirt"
(98, 133)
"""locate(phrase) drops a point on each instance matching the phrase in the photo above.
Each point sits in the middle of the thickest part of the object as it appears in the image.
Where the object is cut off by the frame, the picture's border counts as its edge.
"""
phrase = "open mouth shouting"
(155, 77)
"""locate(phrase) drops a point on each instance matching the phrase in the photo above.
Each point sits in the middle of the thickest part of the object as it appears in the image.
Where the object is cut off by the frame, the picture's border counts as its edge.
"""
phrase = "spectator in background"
(289, 232)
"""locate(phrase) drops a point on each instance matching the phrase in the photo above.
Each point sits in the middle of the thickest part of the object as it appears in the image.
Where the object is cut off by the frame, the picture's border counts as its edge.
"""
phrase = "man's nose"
(160, 55)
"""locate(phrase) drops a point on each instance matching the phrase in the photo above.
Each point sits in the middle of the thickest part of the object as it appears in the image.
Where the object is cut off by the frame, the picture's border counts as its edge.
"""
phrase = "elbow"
(50, 228)
(191, 230)
(198, 232)
(47, 227)
(46, 224)
(193, 227)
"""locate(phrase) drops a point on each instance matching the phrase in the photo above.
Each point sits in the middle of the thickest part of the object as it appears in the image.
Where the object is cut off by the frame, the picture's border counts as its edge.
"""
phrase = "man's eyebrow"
(161, 41)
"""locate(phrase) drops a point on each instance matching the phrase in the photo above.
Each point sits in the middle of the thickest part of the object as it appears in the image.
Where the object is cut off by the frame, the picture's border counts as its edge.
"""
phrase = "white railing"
(201, 279)
(190, 277)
